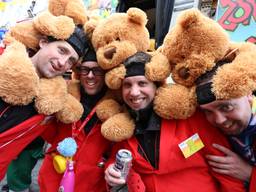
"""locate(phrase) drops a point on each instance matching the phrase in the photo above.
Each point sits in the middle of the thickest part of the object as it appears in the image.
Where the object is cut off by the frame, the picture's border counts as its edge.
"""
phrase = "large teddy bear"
(194, 46)
(115, 39)
(19, 82)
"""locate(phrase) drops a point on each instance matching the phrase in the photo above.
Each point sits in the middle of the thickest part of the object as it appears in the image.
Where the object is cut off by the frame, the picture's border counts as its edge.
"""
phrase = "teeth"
(136, 101)
(91, 83)
(228, 125)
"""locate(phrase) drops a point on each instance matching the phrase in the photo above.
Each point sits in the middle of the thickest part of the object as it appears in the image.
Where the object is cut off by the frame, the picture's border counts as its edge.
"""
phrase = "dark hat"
(204, 92)
(135, 64)
(90, 55)
(78, 40)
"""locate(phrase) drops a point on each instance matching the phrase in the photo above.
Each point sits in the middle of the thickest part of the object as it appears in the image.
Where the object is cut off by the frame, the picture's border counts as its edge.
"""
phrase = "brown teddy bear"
(19, 82)
(194, 46)
(115, 39)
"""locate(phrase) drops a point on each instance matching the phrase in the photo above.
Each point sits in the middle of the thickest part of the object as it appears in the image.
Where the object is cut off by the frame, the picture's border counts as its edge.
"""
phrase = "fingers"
(222, 171)
(218, 159)
(223, 149)
(113, 177)
(219, 165)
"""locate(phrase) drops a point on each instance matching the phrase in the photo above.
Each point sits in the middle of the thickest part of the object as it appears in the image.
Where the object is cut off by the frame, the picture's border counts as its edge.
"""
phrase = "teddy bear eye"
(117, 39)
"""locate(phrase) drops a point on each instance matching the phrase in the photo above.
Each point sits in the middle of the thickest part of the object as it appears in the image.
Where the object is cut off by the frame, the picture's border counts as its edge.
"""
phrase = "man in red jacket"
(93, 148)
(19, 124)
(168, 155)
(235, 118)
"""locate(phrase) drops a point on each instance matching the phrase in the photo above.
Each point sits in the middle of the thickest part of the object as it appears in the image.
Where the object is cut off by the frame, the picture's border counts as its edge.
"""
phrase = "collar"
(146, 120)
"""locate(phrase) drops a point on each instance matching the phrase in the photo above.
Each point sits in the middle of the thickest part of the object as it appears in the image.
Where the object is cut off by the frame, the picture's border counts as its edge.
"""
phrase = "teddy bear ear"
(26, 33)
(189, 18)
(90, 26)
(137, 16)
(59, 27)
(74, 9)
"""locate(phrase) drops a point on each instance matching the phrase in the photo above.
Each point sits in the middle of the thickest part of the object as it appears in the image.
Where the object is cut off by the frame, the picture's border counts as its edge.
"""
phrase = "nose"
(90, 74)
(109, 52)
(220, 118)
(62, 62)
(134, 91)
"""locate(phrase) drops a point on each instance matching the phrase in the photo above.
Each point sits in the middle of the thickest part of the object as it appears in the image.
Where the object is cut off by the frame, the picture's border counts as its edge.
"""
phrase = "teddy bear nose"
(184, 72)
(109, 52)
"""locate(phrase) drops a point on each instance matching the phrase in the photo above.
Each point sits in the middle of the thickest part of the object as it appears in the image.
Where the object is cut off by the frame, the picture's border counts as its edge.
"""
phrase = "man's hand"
(231, 164)
(113, 177)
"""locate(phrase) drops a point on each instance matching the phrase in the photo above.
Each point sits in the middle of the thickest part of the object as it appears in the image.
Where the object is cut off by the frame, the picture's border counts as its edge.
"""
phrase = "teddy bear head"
(120, 36)
(193, 46)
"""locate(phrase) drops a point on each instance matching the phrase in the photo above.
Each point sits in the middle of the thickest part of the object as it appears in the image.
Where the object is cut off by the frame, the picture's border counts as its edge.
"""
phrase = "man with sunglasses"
(92, 149)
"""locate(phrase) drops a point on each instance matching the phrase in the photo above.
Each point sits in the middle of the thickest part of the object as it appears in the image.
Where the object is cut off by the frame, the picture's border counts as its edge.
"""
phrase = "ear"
(189, 18)
(90, 26)
(137, 16)
(43, 42)
(251, 100)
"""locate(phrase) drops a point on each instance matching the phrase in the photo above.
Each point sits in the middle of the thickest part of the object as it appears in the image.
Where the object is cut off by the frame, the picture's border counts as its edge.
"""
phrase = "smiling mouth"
(136, 101)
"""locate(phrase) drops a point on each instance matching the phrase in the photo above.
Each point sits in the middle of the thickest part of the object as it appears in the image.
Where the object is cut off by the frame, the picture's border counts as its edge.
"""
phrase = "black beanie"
(77, 40)
(204, 92)
(135, 64)
(90, 55)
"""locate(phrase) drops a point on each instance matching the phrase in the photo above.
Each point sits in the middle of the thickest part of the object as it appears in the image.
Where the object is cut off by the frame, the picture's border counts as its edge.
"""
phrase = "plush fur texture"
(19, 82)
(52, 95)
(115, 39)
(238, 78)
(74, 9)
(118, 128)
(60, 27)
(193, 46)
(29, 38)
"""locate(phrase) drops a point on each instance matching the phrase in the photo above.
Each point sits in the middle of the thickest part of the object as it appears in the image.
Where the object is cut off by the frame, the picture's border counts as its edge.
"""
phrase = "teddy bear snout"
(109, 52)
(183, 73)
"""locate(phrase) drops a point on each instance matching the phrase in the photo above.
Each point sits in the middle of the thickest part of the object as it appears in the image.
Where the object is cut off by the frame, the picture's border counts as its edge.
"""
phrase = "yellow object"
(59, 163)
(152, 45)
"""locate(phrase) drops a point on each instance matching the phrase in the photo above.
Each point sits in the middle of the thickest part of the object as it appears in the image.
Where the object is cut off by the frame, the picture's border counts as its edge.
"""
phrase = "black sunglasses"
(97, 71)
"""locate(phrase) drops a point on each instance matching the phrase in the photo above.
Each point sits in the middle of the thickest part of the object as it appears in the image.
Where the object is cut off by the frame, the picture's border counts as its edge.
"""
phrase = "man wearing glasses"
(92, 149)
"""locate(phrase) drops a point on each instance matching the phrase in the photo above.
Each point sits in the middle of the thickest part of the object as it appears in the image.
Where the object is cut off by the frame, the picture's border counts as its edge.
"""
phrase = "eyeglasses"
(97, 71)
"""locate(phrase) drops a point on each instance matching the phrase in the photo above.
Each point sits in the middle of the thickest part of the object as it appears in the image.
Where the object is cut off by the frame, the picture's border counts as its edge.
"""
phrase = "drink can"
(123, 162)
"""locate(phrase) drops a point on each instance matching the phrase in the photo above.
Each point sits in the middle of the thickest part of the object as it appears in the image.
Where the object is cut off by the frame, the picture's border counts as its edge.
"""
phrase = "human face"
(138, 92)
(91, 77)
(54, 58)
(231, 116)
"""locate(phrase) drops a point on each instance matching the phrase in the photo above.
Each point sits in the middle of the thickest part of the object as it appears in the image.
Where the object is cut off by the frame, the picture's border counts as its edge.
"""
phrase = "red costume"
(89, 176)
(17, 138)
(177, 173)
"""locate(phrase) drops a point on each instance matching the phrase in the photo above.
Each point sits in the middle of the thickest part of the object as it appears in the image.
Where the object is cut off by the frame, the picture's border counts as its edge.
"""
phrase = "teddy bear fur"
(19, 82)
(115, 39)
(193, 46)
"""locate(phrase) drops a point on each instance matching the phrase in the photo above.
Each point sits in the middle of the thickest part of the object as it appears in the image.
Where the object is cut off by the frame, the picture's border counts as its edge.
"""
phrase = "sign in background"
(102, 8)
(238, 17)
(12, 11)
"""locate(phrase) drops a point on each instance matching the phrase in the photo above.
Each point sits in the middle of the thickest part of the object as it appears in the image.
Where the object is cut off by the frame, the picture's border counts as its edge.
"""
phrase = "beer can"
(123, 162)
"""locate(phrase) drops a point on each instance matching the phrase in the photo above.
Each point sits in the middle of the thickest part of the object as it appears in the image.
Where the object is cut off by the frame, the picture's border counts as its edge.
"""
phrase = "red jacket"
(88, 176)
(14, 140)
(176, 173)
(253, 180)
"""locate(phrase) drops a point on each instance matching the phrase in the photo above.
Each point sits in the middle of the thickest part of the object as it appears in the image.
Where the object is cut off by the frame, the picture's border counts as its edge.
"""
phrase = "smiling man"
(158, 163)
(235, 118)
(93, 148)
